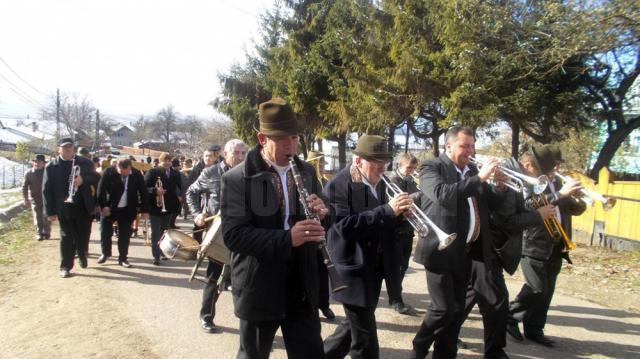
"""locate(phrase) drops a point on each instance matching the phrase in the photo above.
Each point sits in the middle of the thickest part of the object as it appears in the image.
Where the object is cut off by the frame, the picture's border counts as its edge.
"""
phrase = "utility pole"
(57, 116)
(97, 141)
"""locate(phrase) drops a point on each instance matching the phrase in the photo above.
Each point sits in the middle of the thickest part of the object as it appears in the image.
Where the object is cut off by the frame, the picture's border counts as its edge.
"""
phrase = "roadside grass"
(9, 197)
(16, 237)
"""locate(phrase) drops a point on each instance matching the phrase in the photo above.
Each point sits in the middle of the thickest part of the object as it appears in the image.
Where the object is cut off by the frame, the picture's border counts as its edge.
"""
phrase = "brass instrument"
(553, 225)
(517, 179)
(75, 172)
(160, 198)
(419, 220)
(337, 283)
(589, 196)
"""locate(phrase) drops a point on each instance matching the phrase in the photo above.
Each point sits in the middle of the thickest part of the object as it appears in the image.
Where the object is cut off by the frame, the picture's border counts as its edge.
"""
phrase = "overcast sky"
(130, 57)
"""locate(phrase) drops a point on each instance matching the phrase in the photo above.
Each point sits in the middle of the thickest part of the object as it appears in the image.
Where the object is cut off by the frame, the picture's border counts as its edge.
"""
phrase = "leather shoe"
(83, 262)
(514, 330)
(64, 273)
(328, 313)
(156, 262)
(401, 308)
(540, 338)
(209, 327)
(102, 259)
(124, 263)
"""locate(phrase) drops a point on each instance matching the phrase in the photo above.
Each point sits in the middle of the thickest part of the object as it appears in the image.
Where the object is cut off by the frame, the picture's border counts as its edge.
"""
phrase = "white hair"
(232, 144)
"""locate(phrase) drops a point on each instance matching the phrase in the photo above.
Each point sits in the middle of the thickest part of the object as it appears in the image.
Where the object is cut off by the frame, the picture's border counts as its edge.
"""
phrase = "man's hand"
(317, 206)
(570, 188)
(487, 169)
(306, 231)
(547, 211)
(199, 220)
(160, 191)
(144, 215)
(52, 218)
(77, 182)
(106, 211)
(500, 179)
(400, 203)
(27, 203)
(180, 199)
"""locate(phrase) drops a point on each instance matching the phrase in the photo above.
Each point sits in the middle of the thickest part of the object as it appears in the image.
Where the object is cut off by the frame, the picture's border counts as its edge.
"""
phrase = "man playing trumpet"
(67, 198)
(163, 187)
(541, 253)
(208, 184)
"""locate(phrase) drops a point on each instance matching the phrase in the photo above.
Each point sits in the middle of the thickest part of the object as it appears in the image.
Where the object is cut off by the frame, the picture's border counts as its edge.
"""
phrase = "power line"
(25, 94)
(20, 77)
(24, 99)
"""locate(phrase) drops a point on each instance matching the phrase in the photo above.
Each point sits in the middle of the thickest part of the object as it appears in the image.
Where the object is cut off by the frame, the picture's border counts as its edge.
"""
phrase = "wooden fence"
(617, 228)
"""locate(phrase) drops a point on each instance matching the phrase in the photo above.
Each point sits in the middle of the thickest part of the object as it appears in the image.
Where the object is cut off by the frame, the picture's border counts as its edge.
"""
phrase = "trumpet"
(589, 196)
(553, 226)
(517, 180)
(160, 198)
(418, 219)
(75, 172)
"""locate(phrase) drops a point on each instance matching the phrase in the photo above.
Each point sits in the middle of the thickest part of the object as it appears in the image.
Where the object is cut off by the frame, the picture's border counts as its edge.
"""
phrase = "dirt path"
(106, 311)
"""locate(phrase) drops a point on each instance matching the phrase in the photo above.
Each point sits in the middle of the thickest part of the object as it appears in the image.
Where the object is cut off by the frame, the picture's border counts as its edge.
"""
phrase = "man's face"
(530, 169)
(66, 151)
(279, 148)
(460, 149)
(166, 163)
(371, 169)
(235, 157)
(124, 171)
(38, 165)
(209, 158)
(407, 170)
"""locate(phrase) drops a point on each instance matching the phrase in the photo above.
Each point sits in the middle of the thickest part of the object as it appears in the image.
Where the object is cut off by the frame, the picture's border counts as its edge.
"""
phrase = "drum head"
(182, 239)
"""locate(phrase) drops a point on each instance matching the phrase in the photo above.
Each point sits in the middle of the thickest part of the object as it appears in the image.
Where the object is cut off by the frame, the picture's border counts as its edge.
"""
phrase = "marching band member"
(32, 196)
(541, 254)
(362, 246)
(121, 191)
(163, 185)
(209, 158)
(403, 178)
(74, 215)
(208, 184)
(507, 222)
(456, 198)
(273, 261)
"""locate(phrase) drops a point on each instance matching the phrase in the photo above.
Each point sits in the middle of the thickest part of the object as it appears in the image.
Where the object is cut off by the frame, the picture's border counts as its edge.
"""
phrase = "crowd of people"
(279, 212)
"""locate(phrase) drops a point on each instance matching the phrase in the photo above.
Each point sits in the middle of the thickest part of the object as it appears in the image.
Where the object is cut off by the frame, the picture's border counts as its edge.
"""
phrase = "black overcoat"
(362, 226)
(262, 257)
(55, 189)
(111, 187)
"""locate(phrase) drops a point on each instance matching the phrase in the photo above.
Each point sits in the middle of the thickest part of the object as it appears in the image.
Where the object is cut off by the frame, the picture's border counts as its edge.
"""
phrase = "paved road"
(149, 311)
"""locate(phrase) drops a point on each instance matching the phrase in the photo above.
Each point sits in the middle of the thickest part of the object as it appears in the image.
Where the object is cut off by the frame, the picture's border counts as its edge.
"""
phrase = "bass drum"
(213, 246)
(175, 244)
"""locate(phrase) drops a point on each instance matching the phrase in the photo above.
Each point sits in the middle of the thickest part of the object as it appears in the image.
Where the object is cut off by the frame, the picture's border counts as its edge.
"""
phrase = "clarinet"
(336, 282)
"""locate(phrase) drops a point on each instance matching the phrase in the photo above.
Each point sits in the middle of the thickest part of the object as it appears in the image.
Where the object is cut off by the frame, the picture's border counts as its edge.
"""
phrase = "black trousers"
(487, 288)
(440, 325)
(210, 293)
(404, 254)
(159, 223)
(301, 334)
(323, 278)
(74, 236)
(532, 303)
(357, 335)
(124, 233)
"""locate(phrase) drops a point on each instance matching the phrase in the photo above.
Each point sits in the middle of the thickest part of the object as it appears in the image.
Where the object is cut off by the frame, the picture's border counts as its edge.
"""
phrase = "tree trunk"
(515, 139)
(406, 140)
(435, 141)
(319, 143)
(611, 145)
(342, 150)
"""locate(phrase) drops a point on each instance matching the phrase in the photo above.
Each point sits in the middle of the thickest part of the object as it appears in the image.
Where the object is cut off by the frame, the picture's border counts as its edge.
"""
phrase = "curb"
(7, 214)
